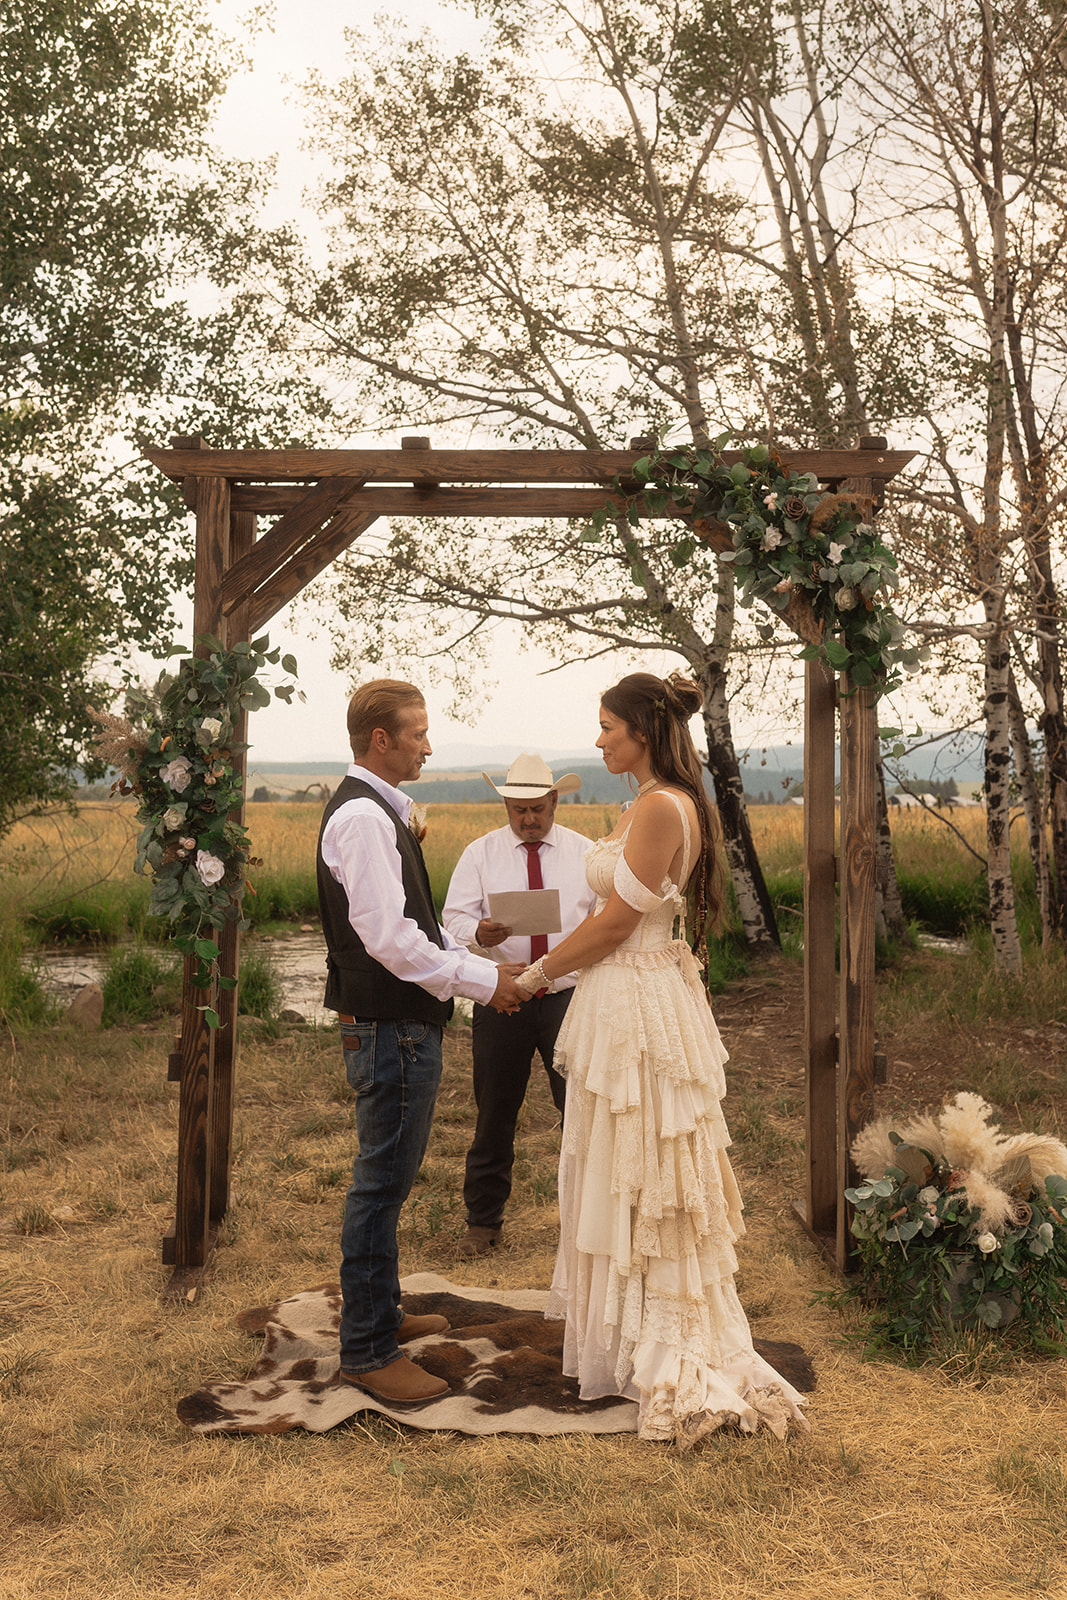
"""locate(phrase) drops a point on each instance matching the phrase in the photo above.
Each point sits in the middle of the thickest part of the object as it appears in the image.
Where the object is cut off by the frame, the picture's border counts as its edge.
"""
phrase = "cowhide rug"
(502, 1360)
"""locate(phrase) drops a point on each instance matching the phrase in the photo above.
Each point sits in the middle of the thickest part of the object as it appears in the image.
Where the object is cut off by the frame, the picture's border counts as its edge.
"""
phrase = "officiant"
(531, 854)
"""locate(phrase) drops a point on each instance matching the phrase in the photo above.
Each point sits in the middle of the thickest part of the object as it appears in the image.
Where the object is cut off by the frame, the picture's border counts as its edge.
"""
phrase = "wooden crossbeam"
(307, 563)
(291, 531)
(476, 466)
(529, 500)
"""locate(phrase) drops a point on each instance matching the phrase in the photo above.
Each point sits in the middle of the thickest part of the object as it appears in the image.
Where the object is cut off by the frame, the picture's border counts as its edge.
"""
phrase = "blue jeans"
(395, 1069)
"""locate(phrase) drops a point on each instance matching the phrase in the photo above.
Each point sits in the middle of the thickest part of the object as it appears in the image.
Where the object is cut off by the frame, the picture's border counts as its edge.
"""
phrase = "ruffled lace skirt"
(650, 1208)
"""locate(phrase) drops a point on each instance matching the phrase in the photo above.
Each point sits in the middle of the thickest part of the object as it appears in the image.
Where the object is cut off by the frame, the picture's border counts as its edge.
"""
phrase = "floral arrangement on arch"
(809, 555)
(175, 750)
(956, 1221)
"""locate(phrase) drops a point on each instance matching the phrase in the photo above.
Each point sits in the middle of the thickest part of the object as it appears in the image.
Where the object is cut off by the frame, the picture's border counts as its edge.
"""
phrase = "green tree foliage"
(113, 216)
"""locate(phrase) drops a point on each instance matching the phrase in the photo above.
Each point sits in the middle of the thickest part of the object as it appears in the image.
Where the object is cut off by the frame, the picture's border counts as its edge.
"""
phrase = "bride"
(649, 1207)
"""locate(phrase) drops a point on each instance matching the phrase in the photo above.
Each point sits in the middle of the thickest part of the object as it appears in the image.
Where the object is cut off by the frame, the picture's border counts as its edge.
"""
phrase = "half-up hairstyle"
(659, 710)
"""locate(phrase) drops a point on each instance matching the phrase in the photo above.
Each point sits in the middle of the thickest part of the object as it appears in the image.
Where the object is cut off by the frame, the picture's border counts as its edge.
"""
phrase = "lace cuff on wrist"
(533, 979)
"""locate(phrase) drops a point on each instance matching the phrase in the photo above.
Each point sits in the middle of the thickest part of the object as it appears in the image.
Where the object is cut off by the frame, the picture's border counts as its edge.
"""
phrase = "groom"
(391, 975)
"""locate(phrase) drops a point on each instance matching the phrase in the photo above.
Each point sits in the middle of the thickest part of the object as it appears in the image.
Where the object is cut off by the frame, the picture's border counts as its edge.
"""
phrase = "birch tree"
(976, 101)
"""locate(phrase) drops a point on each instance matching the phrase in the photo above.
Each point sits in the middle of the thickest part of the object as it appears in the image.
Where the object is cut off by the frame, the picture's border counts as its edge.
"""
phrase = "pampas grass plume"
(872, 1149)
(969, 1142)
(1047, 1156)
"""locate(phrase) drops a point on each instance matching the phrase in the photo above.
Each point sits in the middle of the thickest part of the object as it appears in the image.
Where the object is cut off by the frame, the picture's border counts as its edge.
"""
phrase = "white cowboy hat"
(529, 778)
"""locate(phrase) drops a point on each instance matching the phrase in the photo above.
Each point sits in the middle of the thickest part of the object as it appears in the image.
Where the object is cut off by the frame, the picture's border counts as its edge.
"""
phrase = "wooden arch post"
(839, 892)
(321, 502)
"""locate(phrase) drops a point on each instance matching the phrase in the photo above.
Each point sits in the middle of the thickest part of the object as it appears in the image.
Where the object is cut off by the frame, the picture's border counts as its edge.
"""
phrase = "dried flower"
(831, 508)
(794, 508)
(417, 821)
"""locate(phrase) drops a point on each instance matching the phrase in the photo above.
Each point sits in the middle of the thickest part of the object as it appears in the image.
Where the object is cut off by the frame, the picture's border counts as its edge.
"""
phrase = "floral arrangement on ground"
(175, 749)
(809, 555)
(960, 1225)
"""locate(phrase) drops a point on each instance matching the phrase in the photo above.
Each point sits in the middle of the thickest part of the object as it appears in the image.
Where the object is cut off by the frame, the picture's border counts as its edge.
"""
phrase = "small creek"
(298, 959)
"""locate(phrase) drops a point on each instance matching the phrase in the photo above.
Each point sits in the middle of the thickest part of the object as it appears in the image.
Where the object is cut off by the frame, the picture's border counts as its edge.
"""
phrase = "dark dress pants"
(503, 1050)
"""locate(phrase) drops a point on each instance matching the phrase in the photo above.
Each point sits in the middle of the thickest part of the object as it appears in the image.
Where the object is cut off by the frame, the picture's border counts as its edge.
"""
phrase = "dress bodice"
(606, 868)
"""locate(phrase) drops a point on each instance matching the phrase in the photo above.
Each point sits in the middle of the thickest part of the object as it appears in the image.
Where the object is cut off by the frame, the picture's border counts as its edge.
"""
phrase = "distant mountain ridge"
(771, 768)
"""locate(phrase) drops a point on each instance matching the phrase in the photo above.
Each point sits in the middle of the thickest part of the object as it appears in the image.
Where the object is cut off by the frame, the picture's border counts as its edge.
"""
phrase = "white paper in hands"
(527, 911)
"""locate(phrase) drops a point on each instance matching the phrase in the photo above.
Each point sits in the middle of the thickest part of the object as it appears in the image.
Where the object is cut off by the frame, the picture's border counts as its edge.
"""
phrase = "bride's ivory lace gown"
(649, 1205)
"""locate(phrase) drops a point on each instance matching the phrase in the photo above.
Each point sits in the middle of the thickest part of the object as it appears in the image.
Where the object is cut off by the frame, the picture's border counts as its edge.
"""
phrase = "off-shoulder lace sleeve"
(630, 888)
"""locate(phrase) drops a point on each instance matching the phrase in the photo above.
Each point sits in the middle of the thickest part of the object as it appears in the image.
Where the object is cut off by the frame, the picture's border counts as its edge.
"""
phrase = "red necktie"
(538, 941)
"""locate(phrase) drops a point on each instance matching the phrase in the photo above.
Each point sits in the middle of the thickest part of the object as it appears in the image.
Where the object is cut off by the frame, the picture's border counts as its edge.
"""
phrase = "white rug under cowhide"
(502, 1360)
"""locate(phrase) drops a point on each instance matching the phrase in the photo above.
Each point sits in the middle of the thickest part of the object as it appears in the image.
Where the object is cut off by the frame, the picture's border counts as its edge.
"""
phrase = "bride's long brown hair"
(659, 710)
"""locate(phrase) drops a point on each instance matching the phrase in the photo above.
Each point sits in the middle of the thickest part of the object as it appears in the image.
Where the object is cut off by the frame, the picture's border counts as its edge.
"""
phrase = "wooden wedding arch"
(321, 501)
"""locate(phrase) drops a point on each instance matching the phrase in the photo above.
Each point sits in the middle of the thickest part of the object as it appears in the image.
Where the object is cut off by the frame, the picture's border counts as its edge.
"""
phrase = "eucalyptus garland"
(176, 750)
(794, 547)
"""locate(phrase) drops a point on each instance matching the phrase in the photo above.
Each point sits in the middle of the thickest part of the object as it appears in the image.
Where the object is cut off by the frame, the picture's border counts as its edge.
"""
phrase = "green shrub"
(947, 902)
(23, 997)
(104, 914)
(259, 993)
(139, 985)
(287, 896)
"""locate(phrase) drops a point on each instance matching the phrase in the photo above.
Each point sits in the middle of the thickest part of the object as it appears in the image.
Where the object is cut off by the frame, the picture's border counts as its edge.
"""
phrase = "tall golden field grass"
(70, 873)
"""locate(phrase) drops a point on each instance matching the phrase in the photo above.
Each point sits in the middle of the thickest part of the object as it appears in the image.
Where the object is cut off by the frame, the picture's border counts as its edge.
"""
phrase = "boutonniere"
(417, 821)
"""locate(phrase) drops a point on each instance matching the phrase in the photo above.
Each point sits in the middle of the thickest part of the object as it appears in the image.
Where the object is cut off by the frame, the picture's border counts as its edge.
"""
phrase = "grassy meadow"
(946, 1481)
(69, 879)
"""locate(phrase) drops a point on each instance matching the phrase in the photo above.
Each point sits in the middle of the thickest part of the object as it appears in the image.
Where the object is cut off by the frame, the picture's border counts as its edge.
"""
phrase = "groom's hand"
(507, 995)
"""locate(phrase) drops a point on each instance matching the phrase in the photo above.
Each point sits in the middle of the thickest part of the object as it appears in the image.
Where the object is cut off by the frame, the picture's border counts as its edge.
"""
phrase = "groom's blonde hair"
(379, 704)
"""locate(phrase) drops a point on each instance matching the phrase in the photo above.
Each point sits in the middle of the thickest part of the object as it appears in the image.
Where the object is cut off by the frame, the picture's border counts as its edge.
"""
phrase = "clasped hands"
(514, 984)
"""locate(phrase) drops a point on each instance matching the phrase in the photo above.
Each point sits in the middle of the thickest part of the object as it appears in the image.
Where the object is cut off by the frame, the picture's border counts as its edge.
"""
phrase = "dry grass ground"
(945, 1481)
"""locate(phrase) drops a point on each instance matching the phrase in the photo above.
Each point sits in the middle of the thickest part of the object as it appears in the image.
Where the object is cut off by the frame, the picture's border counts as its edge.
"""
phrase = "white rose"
(173, 818)
(212, 727)
(209, 867)
(177, 774)
(836, 552)
(928, 1195)
(771, 539)
(846, 599)
(987, 1243)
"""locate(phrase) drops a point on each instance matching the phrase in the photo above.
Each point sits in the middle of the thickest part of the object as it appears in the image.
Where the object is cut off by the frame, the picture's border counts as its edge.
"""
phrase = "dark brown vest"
(356, 984)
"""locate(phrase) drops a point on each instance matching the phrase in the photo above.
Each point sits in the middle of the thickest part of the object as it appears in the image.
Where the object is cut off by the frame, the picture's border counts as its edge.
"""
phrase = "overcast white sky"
(527, 710)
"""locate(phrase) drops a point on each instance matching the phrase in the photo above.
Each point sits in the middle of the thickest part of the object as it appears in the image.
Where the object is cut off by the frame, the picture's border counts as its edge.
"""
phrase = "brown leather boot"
(478, 1241)
(419, 1327)
(399, 1383)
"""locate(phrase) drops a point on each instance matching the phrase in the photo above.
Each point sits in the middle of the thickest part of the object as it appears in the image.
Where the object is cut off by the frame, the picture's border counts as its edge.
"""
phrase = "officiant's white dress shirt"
(496, 863)
(359, 849)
